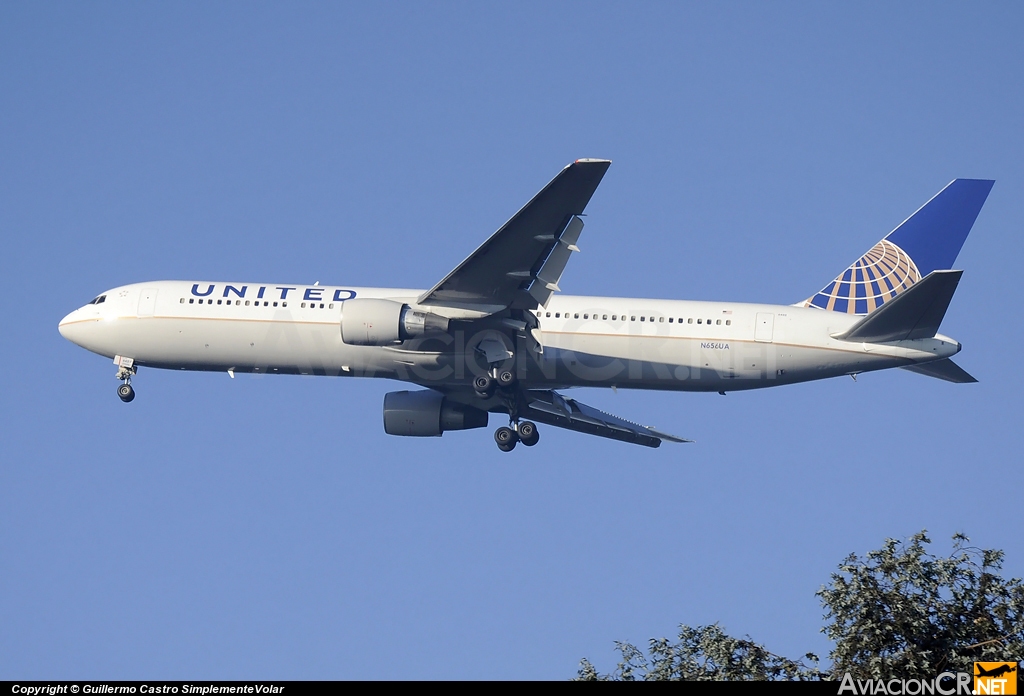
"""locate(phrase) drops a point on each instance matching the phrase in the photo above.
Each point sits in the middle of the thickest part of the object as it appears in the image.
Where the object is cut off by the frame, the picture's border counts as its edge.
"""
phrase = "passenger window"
(728, 322)
(191, 301)
(604, 317)
(670, 320)
(220, 301)
(698, 321)
(285, 304)
(632, 318)
(718, 322)
(182, 300)
(275, 304)
(576, 315)
(330, 306)
(661, 320)
(321, 305)
(247, 303)
(303, 305)
(643, 318)
(586, 316)
(558, 315)
(547, 314)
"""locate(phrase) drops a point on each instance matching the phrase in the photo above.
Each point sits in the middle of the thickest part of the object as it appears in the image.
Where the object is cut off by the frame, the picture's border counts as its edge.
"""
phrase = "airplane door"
(147, 302)
(764, 327)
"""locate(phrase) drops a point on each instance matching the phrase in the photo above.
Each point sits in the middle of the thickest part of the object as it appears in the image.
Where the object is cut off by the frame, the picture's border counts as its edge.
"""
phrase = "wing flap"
(552, 408)
(502, 269)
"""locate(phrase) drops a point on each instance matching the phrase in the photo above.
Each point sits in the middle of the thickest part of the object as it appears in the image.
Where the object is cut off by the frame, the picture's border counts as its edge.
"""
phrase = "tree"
(904, 611)
(898, 612)
(704, 653)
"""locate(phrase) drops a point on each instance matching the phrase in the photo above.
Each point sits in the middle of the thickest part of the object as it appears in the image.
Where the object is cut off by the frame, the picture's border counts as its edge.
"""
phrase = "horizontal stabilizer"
(554, 409)
(914, 313)
(944, 369)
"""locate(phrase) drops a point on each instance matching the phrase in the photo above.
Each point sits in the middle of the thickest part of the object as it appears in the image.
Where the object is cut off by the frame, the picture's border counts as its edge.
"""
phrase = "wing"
(501, 272)
(554, 409)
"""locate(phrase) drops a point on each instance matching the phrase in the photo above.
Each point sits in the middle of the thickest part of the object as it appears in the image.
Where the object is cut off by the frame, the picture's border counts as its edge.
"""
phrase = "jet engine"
(370, 322)
(428, 413)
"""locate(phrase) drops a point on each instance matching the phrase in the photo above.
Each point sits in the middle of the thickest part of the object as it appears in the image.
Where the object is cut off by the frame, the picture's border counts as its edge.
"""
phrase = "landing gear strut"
(125, 369)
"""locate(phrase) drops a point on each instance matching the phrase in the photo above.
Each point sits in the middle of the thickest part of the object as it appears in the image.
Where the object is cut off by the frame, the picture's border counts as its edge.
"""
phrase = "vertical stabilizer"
(927, 241)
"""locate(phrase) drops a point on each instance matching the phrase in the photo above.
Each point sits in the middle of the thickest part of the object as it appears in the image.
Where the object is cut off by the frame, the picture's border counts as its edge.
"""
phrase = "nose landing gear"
(125, 392)
(125, 369)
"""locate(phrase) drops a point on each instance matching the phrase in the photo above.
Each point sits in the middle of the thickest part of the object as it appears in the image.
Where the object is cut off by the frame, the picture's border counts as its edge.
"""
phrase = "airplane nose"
(67, 326)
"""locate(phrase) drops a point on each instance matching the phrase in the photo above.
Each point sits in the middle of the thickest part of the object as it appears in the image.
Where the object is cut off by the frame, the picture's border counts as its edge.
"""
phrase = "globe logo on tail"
(872, 280)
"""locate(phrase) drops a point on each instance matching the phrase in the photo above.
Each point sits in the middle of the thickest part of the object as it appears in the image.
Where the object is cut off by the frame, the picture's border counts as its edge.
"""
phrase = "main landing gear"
(524, 431)
(485, 385)
(501, 381)
(125, 369)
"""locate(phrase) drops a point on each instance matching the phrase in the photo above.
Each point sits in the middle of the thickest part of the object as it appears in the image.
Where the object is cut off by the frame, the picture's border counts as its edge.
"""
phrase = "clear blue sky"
(268, 528)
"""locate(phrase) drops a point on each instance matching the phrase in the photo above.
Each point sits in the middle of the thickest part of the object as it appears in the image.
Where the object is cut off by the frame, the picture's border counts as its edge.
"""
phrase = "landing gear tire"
(528, 433)
(125, 393)
(506, 378)
(484, 386)
(506, 439)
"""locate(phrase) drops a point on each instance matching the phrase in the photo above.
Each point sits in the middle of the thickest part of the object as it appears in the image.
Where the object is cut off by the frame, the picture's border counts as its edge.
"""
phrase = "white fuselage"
(578, 341)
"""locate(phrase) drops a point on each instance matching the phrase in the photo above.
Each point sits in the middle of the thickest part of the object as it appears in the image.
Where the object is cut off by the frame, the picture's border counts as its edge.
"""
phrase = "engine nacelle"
(428, 413)
(370, 322)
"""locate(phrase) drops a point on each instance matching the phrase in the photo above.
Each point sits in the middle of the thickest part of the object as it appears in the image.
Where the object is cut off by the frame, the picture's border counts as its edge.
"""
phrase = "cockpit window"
(99, 300)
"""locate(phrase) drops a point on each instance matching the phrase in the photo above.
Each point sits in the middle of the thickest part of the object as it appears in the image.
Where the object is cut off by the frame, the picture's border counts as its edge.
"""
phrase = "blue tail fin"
(928, 240)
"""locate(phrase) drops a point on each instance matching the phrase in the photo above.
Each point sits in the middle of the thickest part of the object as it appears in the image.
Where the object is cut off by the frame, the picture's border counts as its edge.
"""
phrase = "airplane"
(496, 335)
(999, 671)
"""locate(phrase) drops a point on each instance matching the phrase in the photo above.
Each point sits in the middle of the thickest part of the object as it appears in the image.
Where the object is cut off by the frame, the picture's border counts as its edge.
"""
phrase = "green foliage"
(898, 612)
(902, 611)
(704, 653)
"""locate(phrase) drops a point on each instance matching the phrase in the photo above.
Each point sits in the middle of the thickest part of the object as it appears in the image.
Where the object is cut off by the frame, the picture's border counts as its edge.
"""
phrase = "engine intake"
(370, 322)
(427, 413)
